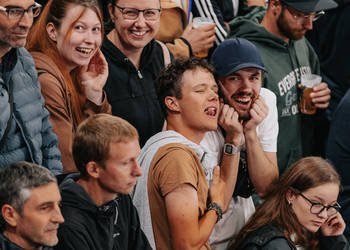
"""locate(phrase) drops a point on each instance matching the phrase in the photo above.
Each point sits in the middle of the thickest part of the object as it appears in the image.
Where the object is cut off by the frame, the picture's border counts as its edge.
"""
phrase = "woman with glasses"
(301, 213)
(134, 61)
(65, 45)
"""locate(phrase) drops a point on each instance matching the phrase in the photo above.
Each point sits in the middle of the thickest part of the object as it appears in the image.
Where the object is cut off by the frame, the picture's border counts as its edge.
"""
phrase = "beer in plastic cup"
(199, 22)
(308, 82)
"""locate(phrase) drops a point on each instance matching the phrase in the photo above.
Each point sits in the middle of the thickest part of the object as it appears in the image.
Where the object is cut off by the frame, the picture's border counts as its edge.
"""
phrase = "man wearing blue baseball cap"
(253, 115)
(278, 33)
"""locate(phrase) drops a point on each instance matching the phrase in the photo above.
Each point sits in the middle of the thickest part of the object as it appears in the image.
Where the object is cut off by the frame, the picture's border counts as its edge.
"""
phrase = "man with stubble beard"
(278, 33)
(25, 130)
(239, 69)
(30, 207)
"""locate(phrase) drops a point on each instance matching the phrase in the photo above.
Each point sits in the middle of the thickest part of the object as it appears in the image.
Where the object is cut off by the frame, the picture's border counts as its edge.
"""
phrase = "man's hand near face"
(258, 113)
(262, 165)
(229, 121)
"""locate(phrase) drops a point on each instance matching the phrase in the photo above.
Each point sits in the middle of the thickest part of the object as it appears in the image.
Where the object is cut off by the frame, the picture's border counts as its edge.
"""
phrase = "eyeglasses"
(133, 14)
(16, 13)
(299, 17)
(317, 208)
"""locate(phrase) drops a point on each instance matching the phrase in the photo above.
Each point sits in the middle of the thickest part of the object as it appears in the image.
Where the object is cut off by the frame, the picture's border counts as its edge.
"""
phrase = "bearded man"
(253, 112)
(278, 33)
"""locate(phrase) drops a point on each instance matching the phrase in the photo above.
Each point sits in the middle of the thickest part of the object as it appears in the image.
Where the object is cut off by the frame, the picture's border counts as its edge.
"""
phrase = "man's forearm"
(263, 170)
(229, 169)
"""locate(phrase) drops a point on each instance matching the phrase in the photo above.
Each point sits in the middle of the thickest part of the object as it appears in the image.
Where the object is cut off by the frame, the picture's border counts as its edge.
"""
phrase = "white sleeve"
(268, 130)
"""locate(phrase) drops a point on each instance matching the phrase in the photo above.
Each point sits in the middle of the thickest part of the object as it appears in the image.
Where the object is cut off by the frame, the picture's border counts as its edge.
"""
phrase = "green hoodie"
(285, 63)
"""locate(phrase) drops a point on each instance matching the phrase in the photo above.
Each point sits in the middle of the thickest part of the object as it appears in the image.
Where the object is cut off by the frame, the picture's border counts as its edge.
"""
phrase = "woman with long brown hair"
(301, 213)
(65, 44)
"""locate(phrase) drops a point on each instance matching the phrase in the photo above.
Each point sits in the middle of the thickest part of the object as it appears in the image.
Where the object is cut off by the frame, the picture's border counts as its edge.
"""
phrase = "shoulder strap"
(7, 130)
(166, 53)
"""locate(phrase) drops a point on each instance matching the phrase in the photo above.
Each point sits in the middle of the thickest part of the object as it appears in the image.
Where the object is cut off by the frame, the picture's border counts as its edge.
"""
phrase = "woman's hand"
(333, 226)
(94, 77)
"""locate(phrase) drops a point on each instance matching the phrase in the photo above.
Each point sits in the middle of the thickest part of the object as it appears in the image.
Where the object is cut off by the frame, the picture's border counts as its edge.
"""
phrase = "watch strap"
(231, 149)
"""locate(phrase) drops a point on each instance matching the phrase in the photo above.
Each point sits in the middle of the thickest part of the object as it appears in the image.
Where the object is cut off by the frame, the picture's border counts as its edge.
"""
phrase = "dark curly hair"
(169, 81)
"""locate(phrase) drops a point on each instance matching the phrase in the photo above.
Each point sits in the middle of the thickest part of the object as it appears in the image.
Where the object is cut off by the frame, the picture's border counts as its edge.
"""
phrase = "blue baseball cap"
(235, 54)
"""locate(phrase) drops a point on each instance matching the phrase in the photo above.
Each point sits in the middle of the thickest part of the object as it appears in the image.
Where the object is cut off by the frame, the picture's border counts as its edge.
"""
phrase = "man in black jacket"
(98, 211)
(29, 202)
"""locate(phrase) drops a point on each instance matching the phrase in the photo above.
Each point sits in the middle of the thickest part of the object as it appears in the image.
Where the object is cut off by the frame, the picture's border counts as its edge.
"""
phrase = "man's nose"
(57, 216)
(308, 23)
(26, 20)
(137, 171)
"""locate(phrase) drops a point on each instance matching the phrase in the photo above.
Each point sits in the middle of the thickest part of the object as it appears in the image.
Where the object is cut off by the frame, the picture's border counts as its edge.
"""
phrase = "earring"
(289, 203)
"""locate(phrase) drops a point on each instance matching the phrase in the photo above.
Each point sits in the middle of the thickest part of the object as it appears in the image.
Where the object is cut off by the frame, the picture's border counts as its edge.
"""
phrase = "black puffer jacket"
(271, 238)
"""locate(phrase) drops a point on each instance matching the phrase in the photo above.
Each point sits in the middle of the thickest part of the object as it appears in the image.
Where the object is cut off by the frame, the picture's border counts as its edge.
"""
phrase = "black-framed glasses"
(300, 17)
(317, 208)
(16, 13)
(133, 14)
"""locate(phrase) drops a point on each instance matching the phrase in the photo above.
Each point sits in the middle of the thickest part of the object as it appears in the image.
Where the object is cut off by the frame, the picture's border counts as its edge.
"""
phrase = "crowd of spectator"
(116, 133)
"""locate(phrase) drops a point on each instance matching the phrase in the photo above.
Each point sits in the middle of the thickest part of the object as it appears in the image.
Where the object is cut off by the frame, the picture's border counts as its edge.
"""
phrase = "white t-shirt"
(240, 209)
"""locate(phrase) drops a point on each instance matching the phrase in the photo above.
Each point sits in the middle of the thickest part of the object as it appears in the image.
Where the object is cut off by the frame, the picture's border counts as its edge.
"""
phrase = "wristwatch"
(217, 208)
(231, 149)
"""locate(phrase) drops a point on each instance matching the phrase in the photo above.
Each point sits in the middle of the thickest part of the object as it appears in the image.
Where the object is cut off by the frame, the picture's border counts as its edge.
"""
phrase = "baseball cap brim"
(239, 67)
(308, 6)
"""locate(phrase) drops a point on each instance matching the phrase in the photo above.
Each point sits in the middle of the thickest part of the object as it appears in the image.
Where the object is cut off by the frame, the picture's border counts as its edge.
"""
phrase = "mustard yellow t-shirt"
(173, 165)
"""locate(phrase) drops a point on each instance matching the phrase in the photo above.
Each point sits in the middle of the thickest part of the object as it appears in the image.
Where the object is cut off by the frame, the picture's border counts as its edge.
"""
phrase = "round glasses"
(16, 13)
(317, 208)
(133, 14)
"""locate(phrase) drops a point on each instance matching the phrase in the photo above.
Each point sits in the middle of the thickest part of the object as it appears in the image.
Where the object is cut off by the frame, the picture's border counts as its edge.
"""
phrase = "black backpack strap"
(7, 130)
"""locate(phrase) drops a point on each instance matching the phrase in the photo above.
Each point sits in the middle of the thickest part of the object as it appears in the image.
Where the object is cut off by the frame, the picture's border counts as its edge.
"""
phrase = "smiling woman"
(65, 45)
(134, 61)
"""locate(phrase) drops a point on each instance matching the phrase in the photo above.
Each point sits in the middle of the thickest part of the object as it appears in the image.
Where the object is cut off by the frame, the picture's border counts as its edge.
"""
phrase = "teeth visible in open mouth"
(210, 111)
(242, 99)
(84, 50)
(139, 33)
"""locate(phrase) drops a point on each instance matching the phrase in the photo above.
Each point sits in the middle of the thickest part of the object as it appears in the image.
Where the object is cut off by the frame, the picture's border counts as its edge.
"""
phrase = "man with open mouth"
(177, 207)
(239, 70)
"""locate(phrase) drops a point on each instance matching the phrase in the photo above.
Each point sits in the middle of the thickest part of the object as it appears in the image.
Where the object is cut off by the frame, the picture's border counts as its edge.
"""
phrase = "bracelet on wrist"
(215, 206)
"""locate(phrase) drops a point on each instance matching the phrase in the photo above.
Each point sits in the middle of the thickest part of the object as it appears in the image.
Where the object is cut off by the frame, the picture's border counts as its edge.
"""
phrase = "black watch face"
(228, 149)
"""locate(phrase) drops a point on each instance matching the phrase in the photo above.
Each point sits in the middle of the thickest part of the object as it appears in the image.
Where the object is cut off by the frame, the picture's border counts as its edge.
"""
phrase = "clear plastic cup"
(308, 82)
(199, 22)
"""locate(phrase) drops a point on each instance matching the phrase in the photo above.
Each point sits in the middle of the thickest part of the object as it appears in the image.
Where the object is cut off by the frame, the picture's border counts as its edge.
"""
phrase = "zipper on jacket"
(138, 71)
(19, 124)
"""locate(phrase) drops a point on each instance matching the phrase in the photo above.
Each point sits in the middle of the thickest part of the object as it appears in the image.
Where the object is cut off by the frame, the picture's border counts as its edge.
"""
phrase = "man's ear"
(51, 31)
(10, 215)
(276, 6)
(93, 169)
(172, 104)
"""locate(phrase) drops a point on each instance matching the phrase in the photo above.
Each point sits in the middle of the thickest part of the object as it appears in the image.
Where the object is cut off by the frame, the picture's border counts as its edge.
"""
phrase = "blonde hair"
(94, 135)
